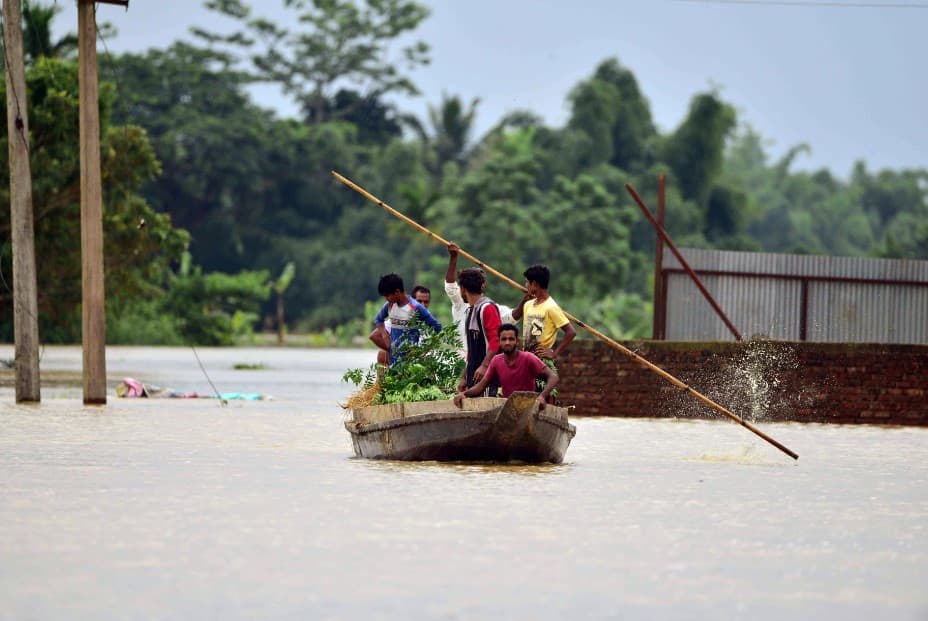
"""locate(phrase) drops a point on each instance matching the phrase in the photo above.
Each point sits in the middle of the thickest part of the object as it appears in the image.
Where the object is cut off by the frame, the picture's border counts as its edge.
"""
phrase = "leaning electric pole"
(25, 297)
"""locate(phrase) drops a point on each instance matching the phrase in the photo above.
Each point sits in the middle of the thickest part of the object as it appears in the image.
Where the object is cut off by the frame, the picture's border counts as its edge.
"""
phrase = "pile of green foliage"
(426, 371)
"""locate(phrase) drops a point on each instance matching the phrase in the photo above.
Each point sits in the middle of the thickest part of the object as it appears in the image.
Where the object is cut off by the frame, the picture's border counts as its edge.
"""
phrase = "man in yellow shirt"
(543, 317)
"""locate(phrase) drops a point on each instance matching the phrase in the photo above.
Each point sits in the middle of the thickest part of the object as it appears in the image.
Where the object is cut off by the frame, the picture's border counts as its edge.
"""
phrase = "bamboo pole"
(686, 266)
(615, 345)
(660, 305)
(25, 290)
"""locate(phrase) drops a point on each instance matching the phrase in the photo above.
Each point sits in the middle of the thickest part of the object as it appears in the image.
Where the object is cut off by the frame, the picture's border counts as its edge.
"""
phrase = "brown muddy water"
(187, 509)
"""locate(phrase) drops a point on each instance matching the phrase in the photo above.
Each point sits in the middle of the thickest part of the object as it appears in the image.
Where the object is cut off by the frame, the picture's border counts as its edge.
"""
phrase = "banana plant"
(280, 285)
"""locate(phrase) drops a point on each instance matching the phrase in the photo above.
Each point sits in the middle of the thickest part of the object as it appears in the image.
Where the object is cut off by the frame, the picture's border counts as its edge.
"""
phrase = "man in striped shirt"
(402, 311)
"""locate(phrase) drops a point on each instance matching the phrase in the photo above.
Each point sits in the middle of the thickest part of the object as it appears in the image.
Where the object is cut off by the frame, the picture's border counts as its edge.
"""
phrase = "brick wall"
(757, 380)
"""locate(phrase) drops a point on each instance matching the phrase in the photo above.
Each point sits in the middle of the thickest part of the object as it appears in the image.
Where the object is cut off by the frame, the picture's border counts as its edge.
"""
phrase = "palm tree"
(452, 126)
(449, 137)
(37, 33)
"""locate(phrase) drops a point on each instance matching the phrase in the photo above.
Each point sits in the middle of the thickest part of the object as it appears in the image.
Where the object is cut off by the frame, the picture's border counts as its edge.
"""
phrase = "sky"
(847, 80)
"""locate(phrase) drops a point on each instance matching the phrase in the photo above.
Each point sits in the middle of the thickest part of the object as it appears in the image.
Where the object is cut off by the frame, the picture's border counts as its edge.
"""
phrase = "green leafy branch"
(425, 371)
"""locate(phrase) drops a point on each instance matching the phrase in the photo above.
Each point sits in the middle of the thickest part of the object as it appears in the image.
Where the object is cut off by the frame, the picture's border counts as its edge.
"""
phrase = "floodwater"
(188, 509)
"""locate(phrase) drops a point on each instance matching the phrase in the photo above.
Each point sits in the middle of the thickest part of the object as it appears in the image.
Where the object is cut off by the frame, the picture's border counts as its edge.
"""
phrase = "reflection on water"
(185, 509)
(741, 455)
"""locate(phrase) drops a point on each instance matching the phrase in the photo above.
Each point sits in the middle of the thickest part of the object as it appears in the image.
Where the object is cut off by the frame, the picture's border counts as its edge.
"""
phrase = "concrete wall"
(757, 380)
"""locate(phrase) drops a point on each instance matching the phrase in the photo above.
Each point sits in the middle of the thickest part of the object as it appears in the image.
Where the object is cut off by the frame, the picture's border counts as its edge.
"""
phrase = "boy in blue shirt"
(401, 310)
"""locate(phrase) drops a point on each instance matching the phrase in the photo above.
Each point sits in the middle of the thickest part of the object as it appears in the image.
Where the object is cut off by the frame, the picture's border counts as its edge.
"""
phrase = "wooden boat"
(484, 429)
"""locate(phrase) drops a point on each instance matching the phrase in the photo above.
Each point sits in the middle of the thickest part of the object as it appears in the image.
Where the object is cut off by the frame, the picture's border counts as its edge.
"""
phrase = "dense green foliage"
(154, 294)
(137, 258)
(427, 371)
(186, 147)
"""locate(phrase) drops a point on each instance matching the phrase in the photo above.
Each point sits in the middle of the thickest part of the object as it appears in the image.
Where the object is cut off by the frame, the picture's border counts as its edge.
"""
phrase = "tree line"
(219, 215)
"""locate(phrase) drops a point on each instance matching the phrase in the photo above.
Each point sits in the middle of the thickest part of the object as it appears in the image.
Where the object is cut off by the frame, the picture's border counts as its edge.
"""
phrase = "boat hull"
(486, 429)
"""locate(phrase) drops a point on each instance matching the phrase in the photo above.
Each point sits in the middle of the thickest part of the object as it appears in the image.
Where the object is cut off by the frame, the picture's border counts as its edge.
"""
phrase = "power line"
(816, 4)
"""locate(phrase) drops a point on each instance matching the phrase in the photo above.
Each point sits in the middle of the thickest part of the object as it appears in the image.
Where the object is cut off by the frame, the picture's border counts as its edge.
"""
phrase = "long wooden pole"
(615, 345)
(93, 315)
(25, 291)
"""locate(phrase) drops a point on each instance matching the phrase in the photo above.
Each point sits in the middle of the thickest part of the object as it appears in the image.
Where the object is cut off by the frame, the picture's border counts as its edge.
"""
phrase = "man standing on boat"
(402, 311)
(514, 370)
(458, 303)
(481, 324)
(420, 294)
(542, 317)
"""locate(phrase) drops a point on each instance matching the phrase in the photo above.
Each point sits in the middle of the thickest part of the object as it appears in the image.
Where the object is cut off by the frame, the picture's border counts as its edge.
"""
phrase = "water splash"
(756, 383)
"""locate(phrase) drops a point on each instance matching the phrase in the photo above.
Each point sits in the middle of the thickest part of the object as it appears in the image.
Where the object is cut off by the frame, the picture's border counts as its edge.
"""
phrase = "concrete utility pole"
(93, 312)
(25, 299)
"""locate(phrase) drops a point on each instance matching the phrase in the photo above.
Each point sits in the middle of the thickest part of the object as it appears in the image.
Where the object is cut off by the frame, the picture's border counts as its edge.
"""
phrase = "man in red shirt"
(513, 369)
(481, 328)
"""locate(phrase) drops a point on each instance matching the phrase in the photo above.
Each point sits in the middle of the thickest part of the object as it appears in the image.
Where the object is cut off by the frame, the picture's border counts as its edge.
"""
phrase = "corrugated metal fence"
(796, 297)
